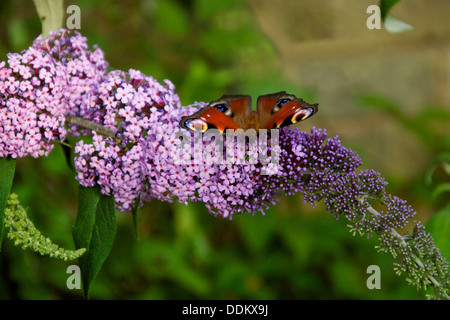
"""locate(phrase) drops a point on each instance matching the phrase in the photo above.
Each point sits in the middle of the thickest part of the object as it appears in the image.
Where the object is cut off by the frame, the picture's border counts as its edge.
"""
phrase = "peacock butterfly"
(274, 111)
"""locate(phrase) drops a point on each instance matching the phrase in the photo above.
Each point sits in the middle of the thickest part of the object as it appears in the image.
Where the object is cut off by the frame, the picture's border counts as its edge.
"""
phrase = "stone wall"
(325, 46)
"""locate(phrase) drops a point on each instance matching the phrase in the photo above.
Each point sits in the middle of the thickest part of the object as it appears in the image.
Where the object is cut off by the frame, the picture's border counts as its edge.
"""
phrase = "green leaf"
(7, 168)
(392, 24)
(439, 227)
(67, 151)
(134, 212)
(94, 229)
(386, 6)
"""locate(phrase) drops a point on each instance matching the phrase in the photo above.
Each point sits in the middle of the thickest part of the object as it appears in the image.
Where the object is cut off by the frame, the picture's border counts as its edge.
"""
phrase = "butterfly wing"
(228, 112)
(280, 109)
(274, 110)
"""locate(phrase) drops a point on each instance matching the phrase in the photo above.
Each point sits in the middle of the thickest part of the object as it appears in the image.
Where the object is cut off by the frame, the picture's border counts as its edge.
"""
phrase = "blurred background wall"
(324, 46)
(386, 96)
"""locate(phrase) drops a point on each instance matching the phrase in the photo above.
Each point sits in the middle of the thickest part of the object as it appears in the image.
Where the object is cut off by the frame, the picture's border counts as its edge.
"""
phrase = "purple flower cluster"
(134, 107)
(83, 69)
(225, 187)
(31, 104)
(310, 162)
(39, 87)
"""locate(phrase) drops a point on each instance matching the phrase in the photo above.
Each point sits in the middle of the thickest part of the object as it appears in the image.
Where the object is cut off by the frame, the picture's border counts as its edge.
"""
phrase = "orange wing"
(281, 109)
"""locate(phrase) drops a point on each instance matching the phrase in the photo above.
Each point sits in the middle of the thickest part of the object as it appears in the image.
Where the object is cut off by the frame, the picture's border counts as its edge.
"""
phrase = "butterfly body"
(235, 112)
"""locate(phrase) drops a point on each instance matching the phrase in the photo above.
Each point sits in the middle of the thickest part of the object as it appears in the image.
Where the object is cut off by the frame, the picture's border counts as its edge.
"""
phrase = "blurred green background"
(212, 47)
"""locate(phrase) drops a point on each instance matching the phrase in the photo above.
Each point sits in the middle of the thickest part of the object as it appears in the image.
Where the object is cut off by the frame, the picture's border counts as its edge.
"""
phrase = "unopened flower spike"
(22, 232)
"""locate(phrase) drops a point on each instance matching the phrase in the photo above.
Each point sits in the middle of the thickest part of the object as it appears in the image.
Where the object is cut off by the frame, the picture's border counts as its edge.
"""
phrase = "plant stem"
(91, 125)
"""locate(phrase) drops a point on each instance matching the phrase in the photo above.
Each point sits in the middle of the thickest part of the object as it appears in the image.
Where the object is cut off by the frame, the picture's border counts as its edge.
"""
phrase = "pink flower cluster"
(132, 105)
(32, 104)
(224, 187)
(39, 87)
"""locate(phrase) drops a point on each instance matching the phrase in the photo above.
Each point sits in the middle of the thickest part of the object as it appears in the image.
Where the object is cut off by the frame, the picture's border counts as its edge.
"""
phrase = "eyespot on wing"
(197, 125)
(302, 114)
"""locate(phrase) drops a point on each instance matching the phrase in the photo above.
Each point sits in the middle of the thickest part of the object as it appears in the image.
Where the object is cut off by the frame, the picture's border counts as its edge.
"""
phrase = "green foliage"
(7, 168)
(440, 162)
(386, 6)
(392, 24)
(439, 224)
(94, 229)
